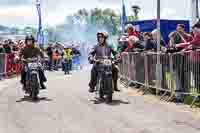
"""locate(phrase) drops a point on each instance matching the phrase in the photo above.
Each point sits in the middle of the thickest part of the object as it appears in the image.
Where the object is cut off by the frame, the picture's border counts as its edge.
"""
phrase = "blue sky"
(23, 12)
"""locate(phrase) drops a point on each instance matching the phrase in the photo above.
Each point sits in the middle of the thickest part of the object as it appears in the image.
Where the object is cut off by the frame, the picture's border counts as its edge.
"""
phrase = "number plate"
(32, 65)
(107, 62)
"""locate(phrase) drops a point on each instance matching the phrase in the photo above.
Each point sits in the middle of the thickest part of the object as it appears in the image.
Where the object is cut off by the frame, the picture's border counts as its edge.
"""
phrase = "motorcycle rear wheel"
(109, 98)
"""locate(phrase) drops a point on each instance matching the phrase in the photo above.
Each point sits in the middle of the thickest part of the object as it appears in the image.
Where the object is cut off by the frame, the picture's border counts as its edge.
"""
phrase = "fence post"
(5, 67)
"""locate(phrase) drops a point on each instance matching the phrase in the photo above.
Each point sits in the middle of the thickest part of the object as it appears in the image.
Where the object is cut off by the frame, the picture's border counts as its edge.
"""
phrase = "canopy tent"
(166, 26)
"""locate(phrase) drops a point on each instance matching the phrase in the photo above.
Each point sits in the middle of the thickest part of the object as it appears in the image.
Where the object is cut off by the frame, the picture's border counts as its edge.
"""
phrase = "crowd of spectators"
(54, 52)
(178, 40)
(186, 62)
(9, 46)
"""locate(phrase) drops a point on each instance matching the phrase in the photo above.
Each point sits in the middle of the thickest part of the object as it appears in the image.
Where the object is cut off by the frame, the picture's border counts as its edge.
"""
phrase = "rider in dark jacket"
(31, 51)
(101, 50)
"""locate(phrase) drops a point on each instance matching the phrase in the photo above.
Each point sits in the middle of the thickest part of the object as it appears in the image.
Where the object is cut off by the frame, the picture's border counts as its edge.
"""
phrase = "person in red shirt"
(192, 58)
(132, 31)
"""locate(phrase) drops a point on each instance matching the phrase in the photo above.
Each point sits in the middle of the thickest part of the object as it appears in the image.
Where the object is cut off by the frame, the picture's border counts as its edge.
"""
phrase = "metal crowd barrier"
(179, 72)
(2, 65)
(8, 67)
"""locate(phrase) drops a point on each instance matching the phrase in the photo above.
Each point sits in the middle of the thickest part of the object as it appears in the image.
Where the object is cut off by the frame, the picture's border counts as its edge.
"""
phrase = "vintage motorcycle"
(32, 81)
(104, 85)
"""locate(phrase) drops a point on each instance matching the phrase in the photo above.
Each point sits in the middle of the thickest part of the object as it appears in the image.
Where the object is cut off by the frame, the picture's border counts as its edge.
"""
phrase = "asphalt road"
(67, 107)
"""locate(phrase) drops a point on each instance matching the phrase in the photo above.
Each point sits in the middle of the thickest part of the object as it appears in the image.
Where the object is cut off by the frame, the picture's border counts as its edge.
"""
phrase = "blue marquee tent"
(166, 26)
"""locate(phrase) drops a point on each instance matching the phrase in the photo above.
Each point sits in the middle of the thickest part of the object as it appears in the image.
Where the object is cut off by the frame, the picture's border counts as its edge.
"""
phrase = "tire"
(34, 86)
(109, 98)
(101, 95)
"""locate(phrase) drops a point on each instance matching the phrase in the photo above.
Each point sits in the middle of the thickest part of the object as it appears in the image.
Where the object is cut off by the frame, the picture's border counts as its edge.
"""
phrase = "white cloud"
(19, 15)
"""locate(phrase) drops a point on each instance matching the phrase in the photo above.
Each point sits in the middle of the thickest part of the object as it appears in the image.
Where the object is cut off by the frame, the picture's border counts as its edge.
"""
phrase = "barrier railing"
(179, 75)
(8, 67)
(2, 65)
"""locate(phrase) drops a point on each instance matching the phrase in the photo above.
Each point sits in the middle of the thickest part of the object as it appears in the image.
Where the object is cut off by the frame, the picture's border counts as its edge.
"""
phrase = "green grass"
(188, 100)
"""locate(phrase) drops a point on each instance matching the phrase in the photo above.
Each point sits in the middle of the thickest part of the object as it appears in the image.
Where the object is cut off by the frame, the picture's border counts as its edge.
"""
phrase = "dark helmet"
(104, 34)
(31, 37)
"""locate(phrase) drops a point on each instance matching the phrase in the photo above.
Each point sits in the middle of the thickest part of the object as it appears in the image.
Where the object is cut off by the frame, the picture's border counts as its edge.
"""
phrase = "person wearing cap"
(102, 49)
(31, 51)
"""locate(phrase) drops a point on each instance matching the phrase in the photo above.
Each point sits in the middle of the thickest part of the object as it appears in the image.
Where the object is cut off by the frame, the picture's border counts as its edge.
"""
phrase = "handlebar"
(28, 60)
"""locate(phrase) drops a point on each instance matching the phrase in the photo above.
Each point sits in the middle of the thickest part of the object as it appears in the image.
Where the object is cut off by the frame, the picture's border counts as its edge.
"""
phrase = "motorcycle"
(104, 85)
(32, 81)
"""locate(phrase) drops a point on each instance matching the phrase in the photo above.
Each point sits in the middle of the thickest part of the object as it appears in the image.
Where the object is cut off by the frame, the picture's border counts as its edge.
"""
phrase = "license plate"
(32, 65)
(107, 62)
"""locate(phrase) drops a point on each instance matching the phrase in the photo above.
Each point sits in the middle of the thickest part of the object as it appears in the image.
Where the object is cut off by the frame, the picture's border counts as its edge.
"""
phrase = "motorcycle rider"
(31, 51)
(100, 50)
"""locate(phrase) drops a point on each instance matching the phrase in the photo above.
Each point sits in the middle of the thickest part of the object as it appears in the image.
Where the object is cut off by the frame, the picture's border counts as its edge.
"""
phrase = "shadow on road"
(118, 102)
(114, 102)
(28, 99)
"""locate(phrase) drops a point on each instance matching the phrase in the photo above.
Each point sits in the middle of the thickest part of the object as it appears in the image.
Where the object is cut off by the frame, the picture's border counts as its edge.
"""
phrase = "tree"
(30, 30)
(136, 9)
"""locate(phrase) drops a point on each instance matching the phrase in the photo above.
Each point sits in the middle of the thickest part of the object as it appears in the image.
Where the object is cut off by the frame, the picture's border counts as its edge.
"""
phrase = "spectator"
(162, 42)
(56, 57)
(123, 44)
(131, 43)
(195, 42)
(148, 42)
(179, 36)
(132, 31)
(7, 47)
(50, 55)
(2, 50)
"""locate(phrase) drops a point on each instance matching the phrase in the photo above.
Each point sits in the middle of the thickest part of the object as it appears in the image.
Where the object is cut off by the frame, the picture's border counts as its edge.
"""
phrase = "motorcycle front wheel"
(34, 87)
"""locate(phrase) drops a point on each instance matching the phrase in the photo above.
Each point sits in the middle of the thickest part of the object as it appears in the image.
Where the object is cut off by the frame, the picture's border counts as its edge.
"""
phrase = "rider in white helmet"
(101, 50)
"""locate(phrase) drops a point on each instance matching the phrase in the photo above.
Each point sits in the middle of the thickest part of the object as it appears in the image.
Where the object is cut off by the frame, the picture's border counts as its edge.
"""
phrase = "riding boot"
(115, 85)
(93, 80)
(42, 86)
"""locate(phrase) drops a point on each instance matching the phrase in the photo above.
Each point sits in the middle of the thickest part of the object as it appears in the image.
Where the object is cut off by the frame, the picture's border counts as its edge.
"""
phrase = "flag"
(123, 18)
(40, 33)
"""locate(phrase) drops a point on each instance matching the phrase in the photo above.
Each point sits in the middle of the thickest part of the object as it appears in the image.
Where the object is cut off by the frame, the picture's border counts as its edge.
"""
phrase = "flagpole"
(158, 48)
(39, 33)
(197, 9)
(123, 17)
